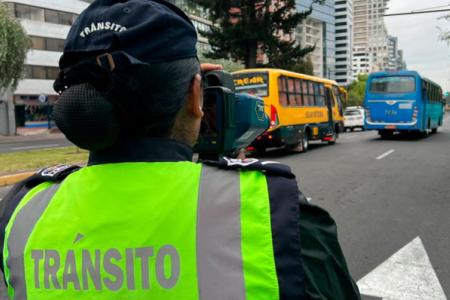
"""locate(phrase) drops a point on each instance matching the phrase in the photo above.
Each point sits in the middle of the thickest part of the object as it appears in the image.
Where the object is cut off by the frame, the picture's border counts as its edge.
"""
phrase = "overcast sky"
(418, 36)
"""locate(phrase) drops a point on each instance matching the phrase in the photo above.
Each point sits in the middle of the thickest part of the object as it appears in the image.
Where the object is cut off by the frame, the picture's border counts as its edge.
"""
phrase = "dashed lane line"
(385, 154)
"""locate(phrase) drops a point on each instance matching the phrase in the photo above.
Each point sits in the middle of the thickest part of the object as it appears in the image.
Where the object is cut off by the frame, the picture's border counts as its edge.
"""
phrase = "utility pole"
(7, 114)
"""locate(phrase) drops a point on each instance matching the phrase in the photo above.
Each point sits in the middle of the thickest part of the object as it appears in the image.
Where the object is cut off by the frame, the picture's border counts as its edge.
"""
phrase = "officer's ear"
(195, 100)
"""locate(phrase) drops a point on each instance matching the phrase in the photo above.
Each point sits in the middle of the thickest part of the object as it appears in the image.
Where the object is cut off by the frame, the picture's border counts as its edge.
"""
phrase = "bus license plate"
(390, 127)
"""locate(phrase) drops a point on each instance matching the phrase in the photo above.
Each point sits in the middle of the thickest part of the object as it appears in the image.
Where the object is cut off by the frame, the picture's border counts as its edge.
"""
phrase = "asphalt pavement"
(24, 143)
(383, 194)
(387, 197)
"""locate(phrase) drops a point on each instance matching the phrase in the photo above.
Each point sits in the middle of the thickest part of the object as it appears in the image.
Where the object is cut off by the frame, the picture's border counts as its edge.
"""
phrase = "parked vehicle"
(354, 118)
(301, 107)
(403, 101)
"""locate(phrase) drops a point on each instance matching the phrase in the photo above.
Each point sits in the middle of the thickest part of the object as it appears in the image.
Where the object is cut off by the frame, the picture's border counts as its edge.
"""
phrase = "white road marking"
(406, 275)
(308, 199)
(386, 154)
(36, 147)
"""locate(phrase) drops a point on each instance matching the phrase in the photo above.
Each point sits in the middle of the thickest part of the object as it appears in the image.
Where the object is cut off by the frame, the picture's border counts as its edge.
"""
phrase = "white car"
(354, 118)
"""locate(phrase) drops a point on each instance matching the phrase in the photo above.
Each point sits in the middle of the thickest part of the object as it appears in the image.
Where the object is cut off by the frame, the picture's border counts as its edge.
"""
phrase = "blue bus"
(403, 101)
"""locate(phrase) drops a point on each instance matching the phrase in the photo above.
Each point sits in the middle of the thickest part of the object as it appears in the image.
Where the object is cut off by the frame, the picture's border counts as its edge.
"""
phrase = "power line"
(417, 12)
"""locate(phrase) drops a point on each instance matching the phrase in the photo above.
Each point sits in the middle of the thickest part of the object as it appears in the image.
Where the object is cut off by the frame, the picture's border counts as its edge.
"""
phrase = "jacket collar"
(143, 150)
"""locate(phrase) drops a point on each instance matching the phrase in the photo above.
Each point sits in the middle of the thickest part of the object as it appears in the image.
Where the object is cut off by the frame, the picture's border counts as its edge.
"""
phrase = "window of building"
(41, 72)
(48, 44)
(28, 12)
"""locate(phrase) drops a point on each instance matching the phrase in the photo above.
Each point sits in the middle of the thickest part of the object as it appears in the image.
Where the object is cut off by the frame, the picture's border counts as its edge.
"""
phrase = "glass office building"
(319, 29)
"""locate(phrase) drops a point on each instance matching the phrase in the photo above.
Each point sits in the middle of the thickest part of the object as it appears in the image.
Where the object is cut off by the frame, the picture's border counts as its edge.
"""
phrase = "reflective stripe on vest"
(111, 232)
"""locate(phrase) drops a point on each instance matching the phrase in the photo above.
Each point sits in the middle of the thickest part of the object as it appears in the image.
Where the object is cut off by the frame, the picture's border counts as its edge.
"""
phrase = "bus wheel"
(305, 141)
(434, 130)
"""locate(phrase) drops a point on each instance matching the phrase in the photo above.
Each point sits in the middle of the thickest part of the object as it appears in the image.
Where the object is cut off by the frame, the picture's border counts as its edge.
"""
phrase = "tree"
(445, 34)
(356, 90)
(304, 66)
(14, 44)
(245, 27)
(227, 64)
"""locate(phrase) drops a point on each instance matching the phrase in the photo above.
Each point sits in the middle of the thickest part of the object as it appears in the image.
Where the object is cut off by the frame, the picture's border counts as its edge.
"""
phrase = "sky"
(418, 37)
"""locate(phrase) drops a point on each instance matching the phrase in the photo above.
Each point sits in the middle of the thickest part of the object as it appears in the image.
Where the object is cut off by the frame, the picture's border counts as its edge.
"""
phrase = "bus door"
(330, 104)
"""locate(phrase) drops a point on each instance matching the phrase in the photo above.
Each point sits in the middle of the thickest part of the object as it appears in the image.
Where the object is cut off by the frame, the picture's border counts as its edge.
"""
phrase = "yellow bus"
(301, 107)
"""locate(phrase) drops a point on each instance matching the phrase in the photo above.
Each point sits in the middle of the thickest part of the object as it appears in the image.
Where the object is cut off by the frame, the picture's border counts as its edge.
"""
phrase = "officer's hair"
(170, 86)
(144, 102)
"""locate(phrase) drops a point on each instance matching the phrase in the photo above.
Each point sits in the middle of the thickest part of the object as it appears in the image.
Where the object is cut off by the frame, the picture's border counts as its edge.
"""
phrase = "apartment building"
(344, 41)
(319, 30)
(47, 23)
(199, 18)
(370, 38)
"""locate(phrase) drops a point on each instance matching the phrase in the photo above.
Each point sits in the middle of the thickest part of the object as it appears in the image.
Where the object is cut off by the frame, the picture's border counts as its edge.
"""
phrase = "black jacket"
(304, 236)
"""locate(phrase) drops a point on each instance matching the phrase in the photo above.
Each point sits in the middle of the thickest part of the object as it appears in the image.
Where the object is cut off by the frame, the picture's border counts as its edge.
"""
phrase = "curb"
(15, 178)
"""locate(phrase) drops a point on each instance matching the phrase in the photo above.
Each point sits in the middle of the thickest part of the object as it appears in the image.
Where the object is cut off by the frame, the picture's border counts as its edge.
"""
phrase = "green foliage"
(356, 91)
(304, 66)
(244, 26)
(14, 44)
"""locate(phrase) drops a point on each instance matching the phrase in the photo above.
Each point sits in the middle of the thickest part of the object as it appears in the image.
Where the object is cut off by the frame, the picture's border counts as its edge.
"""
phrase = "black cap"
(144, 31)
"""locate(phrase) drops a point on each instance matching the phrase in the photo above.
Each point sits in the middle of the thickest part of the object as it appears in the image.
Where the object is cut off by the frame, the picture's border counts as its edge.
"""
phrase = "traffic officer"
(142, 221)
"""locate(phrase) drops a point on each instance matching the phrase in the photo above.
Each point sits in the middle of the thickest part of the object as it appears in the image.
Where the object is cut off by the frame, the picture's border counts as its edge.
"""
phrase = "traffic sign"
(42, 98)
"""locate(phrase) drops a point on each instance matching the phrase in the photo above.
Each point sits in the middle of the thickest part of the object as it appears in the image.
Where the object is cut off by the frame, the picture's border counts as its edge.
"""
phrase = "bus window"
(255, 83)
(305, 92)
(291, 92)
(393, 84)
(322, 94)
(298, 89)
(282, 91)
(319, 94)
(311, 93)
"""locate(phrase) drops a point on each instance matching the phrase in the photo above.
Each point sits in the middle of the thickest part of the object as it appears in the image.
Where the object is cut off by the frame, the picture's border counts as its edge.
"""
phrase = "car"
(354, 118)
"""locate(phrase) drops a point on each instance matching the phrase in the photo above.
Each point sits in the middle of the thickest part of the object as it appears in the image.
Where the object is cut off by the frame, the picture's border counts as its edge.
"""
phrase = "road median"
(14, 178)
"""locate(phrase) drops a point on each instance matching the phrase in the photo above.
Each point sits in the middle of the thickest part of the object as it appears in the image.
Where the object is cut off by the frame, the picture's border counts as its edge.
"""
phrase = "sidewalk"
(29, 134)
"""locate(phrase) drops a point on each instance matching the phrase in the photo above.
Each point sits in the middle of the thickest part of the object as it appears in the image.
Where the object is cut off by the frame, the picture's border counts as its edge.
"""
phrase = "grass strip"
(33, 160)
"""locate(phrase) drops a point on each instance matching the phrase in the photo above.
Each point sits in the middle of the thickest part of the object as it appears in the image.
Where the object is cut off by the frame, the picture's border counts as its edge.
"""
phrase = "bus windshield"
(255, 84)
(393, 84)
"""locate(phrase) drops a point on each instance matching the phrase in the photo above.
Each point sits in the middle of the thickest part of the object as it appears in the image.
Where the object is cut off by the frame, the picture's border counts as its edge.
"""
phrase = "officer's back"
(142, 221)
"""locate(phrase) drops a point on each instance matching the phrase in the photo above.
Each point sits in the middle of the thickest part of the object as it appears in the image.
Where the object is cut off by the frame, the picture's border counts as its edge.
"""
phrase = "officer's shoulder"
(56, 173)
(52, 174)
(270, 168)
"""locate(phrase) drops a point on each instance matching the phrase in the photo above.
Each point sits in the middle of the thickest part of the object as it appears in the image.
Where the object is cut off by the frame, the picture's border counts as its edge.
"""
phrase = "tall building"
(344, 41)
(319, 29)
(393, 54)
(47, 23)
(199, 18)
(370, 39)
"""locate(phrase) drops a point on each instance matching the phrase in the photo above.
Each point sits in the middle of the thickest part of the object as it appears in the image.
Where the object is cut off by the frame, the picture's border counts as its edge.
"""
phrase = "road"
(383, 194)
(17, 144)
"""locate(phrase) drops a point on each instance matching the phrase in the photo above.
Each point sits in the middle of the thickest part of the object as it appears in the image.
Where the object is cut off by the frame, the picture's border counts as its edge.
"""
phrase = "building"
(370, 38)
(199, 18)
(319, 30)
(344, 41)
(401, 61)
(47, 23)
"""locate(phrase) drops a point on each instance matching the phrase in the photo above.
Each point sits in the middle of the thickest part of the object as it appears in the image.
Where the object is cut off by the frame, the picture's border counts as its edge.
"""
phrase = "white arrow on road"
(406, 275)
